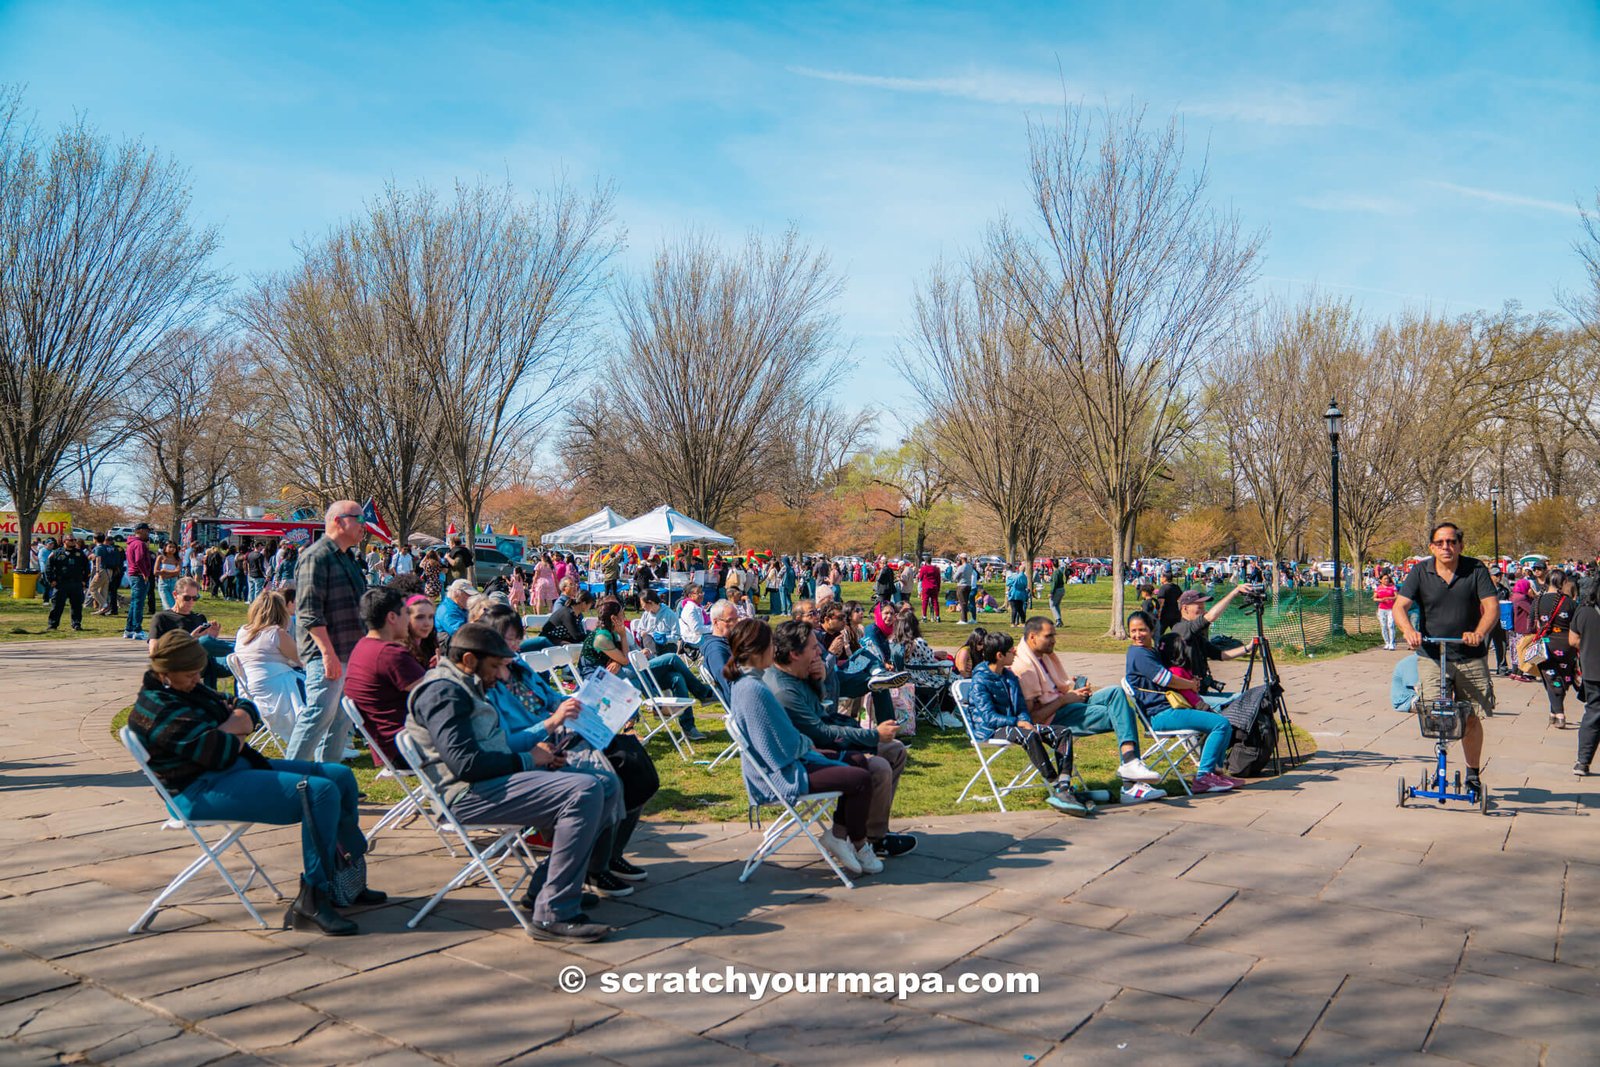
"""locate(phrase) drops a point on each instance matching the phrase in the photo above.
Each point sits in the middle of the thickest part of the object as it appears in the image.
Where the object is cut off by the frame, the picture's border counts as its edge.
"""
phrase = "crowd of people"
(820, 692)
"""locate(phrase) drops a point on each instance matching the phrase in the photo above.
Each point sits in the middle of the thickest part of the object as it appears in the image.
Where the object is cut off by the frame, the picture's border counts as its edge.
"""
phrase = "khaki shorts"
(1470, 677)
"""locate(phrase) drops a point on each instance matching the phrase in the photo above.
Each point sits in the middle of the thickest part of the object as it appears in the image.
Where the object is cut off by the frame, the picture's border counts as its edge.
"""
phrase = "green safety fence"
(1303, 618)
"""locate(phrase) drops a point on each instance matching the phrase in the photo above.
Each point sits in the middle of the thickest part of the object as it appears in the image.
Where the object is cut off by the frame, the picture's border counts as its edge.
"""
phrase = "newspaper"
(606, 703)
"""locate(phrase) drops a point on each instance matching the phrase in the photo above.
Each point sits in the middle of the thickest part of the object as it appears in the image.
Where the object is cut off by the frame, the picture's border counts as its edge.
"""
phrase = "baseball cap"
(1192, 596)
(461, 585)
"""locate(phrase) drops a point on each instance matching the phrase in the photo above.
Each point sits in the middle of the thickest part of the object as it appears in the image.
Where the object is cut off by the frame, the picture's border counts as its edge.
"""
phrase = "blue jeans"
(1106, 710)
(533, 644)
(1218, 731)
(314, 736)
(681, 681)
(242, 793)
(137, 589)
(167, 591)
(219, 649)
(255, 586)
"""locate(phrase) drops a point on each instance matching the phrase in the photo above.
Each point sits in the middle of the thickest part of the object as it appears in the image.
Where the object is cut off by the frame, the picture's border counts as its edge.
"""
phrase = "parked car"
(489, 564)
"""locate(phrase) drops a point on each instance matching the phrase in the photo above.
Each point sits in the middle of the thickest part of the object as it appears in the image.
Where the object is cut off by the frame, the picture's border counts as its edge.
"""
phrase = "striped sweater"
(181, 732)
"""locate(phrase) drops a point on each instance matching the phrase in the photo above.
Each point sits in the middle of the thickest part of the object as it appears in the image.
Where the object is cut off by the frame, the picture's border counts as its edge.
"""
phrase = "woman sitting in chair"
(788, 757)
(606, 649)
(273, 674)
(999, 710)
(1151, 681)
(196, 740)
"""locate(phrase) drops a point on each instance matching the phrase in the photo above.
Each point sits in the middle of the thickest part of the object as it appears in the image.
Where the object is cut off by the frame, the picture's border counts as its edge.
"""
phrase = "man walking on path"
(141, 566)
(1458, 599)
(328, 586)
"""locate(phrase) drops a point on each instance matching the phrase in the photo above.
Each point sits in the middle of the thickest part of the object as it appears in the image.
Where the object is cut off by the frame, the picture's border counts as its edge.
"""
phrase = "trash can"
(24, 585)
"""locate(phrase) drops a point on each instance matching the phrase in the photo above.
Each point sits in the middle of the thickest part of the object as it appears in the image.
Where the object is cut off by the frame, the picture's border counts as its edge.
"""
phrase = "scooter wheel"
(1483, 800)
(1404, 793)
(1458, 781)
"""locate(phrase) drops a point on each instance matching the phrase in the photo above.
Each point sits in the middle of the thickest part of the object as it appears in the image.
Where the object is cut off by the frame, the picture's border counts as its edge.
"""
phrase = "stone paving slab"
(1304, 920)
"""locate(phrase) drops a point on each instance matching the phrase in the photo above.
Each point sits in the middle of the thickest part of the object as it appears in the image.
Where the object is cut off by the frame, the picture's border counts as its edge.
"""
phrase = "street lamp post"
(1494, 509)
(1333, 417)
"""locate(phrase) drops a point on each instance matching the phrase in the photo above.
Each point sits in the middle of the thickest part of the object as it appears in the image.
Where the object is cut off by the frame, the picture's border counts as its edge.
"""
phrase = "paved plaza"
(1305, 919)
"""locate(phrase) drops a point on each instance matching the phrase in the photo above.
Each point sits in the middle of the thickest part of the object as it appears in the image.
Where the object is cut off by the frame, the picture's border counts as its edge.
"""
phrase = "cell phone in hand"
(1080, 681)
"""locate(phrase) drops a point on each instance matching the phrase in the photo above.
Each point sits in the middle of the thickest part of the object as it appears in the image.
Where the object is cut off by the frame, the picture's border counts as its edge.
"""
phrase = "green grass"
(25, 620)
(940, 763)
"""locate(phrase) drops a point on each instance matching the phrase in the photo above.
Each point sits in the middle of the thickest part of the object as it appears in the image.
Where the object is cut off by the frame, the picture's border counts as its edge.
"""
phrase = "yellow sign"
(48, 524)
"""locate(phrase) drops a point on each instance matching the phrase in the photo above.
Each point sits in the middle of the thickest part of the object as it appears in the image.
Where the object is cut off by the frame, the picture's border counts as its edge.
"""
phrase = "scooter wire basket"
(1446, 719)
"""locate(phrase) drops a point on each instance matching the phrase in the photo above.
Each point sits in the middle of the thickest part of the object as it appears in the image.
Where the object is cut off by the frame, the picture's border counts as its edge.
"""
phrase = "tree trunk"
(27, 517)
(1120, 530)
(922, 538)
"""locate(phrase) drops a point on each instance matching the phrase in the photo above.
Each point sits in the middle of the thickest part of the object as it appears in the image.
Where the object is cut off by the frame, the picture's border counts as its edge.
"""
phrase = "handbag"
(1534, 649)
(349, 874)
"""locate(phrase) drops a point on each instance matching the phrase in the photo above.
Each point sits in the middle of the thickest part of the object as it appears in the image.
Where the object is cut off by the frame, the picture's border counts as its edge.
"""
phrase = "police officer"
(68, 571)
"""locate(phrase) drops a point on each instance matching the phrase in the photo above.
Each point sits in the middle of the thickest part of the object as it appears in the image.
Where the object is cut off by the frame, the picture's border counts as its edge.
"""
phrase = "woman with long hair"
(169, 568)
(432, 569)
(422, 639)
(791, 763)
(273, 674)
(1553, 610)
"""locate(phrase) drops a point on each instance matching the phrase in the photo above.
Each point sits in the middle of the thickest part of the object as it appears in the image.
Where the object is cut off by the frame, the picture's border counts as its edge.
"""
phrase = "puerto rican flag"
(375, 523)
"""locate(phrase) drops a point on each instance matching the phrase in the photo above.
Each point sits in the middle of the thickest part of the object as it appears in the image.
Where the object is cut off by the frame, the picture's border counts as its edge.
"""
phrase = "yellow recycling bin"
(24, 586)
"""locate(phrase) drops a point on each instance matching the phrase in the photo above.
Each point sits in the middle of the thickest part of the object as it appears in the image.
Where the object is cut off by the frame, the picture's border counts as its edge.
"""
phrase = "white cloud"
(1495, 197)
(985, 87)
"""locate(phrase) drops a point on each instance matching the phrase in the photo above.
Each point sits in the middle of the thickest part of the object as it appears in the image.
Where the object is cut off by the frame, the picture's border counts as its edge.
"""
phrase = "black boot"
(313, 910)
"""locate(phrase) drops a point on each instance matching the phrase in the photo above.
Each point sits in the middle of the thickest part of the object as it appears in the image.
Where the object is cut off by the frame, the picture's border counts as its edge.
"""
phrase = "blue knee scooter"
(1444, 719)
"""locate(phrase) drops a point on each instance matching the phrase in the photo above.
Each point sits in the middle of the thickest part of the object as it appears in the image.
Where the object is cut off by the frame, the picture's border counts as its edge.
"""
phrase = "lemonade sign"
(48, 524)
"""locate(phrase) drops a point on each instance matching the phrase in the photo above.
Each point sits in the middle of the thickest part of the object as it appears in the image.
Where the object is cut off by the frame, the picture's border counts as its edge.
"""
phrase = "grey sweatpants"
(566, 808)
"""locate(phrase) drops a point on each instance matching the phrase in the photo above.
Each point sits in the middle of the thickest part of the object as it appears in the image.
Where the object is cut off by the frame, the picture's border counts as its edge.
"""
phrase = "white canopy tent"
(582, 532)
(664, 527)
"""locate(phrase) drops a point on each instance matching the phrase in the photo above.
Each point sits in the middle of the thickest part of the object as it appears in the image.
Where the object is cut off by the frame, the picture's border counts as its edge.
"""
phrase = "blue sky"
(1401, 154)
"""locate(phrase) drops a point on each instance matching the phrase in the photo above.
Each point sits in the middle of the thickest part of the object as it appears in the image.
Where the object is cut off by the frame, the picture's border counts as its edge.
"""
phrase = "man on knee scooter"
(1457, 598)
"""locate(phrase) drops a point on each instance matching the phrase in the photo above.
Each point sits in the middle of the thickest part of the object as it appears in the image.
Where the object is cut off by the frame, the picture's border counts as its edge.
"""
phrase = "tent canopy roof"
(663, 526)
(582, 531)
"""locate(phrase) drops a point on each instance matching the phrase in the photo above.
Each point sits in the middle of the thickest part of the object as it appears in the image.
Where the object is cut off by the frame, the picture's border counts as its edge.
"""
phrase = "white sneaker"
(1135, 770)
(1139, 792)
(842, 853)
(868, 859)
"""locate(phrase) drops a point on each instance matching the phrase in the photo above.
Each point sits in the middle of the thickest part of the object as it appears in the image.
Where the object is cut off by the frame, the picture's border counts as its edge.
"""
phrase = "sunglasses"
(1447, 541)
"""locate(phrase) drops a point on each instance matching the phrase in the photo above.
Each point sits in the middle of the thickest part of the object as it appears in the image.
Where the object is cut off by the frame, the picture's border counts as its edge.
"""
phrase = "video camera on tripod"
(1274, 739)
(1252, 598)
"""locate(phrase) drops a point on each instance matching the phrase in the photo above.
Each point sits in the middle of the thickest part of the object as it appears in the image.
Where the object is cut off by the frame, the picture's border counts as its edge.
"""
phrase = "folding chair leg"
(984, 772)
(210, 856)
(730, 751)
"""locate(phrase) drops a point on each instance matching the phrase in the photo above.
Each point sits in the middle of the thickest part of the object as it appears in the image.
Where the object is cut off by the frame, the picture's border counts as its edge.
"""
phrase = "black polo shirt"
(1450, 610)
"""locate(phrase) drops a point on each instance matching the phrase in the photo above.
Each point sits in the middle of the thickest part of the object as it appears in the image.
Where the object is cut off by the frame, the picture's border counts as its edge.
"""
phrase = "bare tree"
(510, 291)
(980, 374)
(915, 471)
(1269, 423)
(1378, 386)
(1130, 283)
(97, 260)
(194, 420)
(818, 454)
(724, 357)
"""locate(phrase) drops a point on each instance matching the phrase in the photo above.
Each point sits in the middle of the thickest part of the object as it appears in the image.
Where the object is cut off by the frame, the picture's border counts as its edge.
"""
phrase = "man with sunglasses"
(1457, 598)
(183, 616)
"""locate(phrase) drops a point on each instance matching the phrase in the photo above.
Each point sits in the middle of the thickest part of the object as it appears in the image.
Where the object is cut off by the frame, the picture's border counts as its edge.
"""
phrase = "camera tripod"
(1287, 746)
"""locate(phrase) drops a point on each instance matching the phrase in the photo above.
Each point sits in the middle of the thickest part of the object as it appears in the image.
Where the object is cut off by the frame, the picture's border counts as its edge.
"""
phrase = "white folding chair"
(564, 667)
(666, 709)
(533, 623)
(716, 690)
(538, 660)
(211, 854)
(409, 806)
(484, 861)
(263, 735)
(988, 752)
(1169, 749)
(803, 815)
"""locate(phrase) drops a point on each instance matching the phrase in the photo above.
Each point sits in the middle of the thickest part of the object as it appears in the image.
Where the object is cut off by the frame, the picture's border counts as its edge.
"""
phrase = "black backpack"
(1254, 715)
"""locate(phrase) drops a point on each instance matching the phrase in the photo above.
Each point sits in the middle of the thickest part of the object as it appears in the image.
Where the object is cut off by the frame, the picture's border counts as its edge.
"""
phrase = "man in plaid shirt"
(328, 586)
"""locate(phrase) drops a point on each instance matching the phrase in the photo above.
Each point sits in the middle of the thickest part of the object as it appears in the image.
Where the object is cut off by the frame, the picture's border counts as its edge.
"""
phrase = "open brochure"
(607, 703)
